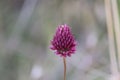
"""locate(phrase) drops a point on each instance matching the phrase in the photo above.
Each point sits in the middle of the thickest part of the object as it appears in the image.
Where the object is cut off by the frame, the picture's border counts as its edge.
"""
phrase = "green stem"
(64, 61)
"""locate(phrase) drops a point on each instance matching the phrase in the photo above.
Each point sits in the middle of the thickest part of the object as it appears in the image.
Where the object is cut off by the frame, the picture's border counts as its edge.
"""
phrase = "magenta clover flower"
(63, 42)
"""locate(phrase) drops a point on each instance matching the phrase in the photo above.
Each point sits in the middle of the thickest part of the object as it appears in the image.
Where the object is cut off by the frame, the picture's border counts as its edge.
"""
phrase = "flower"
(63, 42)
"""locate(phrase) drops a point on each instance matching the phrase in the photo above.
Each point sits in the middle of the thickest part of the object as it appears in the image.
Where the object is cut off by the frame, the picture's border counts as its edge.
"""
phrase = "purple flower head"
(63, 42)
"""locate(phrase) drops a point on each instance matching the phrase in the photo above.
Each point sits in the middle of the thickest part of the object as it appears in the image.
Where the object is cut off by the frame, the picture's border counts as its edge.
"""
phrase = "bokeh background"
(27, 26)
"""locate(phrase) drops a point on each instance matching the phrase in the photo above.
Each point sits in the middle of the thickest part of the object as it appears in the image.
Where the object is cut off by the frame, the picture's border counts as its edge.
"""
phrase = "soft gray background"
(27, 26)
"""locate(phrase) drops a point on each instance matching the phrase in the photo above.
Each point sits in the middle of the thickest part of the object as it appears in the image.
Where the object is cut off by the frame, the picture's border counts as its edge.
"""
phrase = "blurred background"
(27, 26)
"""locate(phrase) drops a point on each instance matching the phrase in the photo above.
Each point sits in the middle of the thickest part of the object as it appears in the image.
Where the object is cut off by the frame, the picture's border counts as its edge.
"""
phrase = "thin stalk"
(109, 20)
(64, 61)
(116, 26)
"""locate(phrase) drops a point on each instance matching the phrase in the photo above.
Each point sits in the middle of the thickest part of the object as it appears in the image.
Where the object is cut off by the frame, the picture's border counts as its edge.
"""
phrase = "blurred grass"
(31, 47)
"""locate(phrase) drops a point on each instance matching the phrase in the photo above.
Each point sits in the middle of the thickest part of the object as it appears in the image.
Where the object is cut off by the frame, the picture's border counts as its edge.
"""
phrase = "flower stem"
(64, 61)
